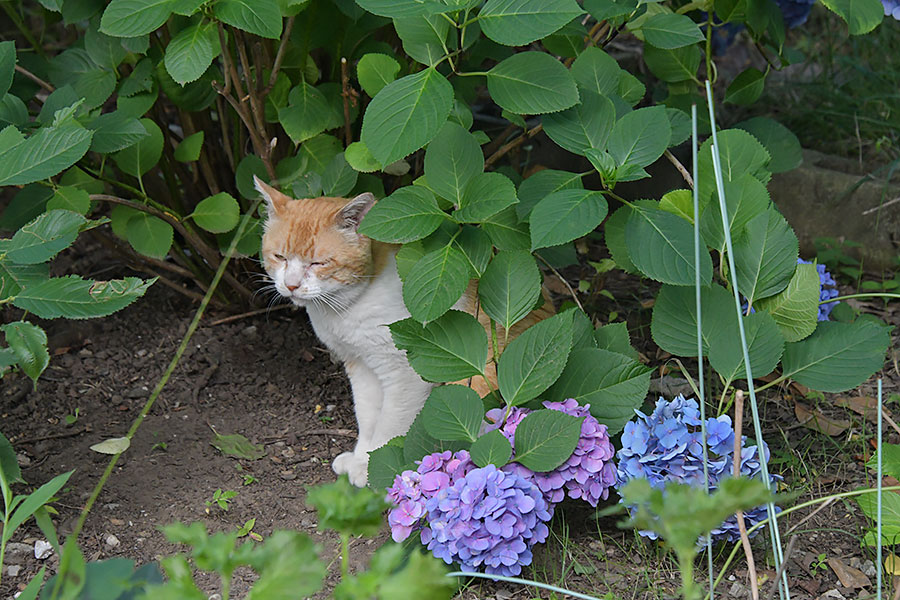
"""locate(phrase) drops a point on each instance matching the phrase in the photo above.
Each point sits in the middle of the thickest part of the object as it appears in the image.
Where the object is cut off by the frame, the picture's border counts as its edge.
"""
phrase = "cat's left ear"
(352, 214)
(275, 200)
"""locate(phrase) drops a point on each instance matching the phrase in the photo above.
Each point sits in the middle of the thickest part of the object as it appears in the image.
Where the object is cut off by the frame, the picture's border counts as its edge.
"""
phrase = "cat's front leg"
(368, 398)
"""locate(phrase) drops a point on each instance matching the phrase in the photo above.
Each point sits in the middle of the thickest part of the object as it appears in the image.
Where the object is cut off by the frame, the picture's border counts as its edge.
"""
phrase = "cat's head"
(311, 248)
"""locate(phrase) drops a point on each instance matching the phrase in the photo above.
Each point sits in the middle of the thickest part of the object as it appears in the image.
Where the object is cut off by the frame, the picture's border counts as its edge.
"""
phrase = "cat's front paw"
(356, 468)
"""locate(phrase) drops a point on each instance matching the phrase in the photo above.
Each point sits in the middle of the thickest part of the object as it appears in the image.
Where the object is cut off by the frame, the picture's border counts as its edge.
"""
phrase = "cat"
(350, 288)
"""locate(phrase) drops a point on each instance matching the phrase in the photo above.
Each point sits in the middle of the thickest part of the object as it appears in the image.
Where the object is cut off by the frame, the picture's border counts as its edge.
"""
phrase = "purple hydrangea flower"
(587, 474)
(488, 518)
(891, 8)
(667, 446)
(827, 289)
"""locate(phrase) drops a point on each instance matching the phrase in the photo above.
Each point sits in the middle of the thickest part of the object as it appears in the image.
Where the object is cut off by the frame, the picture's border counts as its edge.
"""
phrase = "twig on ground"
(787, 555)
(252, 313)
(54, 436)
(337, 432)
(880, 206)
(745, 539)
(819, 509)
(684, 172)
(35, 78)
(204, 378)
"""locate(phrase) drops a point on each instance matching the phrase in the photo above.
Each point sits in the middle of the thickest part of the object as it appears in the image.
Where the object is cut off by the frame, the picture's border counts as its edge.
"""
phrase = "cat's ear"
(352, 214)
(275, 200)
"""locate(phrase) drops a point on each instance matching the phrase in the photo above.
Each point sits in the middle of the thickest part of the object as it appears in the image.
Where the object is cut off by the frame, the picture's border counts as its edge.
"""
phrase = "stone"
(13, 570)
(42, 549)
(739, 590)
(112, 541)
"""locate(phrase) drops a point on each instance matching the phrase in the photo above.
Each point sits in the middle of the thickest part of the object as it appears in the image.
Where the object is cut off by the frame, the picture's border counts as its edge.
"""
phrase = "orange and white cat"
(349, 286)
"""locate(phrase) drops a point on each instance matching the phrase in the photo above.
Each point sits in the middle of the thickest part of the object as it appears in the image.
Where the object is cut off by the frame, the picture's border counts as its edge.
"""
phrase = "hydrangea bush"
(666, 446)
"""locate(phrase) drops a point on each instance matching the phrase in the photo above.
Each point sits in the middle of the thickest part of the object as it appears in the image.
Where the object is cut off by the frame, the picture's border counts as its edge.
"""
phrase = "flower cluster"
(827, 289)
(891, 8)
(587, 474)
(795, 12)
(667, 446)
(488, 518)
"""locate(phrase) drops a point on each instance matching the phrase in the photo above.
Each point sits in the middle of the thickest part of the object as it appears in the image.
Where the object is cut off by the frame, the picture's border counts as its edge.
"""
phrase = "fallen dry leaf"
(863, 405)
(850, 577)
(813, 419)
(892, 564)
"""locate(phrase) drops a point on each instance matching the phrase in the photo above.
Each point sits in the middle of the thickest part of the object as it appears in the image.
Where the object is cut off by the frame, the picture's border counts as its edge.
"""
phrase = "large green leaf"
(862, 16)
(640, 137)
(385, 464)
(781, 143)
(746, 87)
(739, 153)
(453, 412)
(745, 198)
(676, 65)
(476, 246)
(546, 438)
(585, 125)
(8, 462)
(7, 65)
(14, 277)
(262, 17)
(339, 177)
(409, 214)
(485, 195)
(402, 8)
(191, 52)
(612, 383)
(75, 298)
(596, 71)
(615, 338)
(218, 213)
(534, 360)
(149, 235)
(661, 245)
(42, 155)
(538, 186)
(837, 356)
(28, 343)
(510, 287)
(115, 131)
(450, 348)
(139, 158)
(765, 256)
(674, 322)
(375, 71)
(764, 343)
(133, 18)
(424, 37)
(492, 448)
(105, 50)
(435, 283)
(452, 159)
(41, 239)
(188, 150)
(306, 115)
(506, 232)
(566, 215)
(33, 502)
(406, 115)
(530, 83)
(520, 22)
(796, 308)
(669, 31)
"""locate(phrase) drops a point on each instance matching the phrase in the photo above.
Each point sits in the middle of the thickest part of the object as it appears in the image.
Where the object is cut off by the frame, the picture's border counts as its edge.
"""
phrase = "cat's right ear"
(275, 200)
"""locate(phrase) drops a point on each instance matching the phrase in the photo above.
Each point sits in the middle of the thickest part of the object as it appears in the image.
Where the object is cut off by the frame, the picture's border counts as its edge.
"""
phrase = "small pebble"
(137, 392)
(42, 549)
(868, 569)
(288, 475)
(249, 331)
(329, 407)
(141, 353)
(738, 590)
(13, 570)
(23, 460)
(112, 541)
(288, 452)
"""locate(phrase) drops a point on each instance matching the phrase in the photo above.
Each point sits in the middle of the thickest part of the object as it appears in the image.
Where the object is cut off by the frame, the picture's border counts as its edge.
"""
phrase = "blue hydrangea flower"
(795, 12)
(891, 8)
(587, 474)
(827, 289)
(488, 518)
(667, 446)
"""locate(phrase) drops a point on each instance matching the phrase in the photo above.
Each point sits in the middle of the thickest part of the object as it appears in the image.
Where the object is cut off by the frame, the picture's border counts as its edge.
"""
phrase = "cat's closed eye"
(279, 257)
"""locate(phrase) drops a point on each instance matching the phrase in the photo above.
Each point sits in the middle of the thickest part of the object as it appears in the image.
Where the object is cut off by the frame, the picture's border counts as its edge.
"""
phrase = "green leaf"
(338, 178)
(674, 322)
(435, 283)
(491, 449)
(237, 446)
(28, 343)
(765, 256)
(566, 215)
(133, 18)
(424, 37)
(262, 17)
(764, 342)
(375, 71)
(680, 203)
(409, 214)
(546, 438)
(402, 8)
(306, 115)
(418, 443)
(106, 51)
(612, 383)
(453, 412)
(596, 71)
(44, 154)
(796, 308)
(139, 158)
(343, 508)
(746, 87)
(450, 348)
(739, 153)
(360, 159)
(746, 199)
(661, 245)
(217, 214)
(640, 137)
(406, 115)
(14, 277)
(530, 83)
(7, 65)
(8, 463)
(585, 125)
(452, 159)
(538, 186)
(603, 10)
(837, 356)
(476, 246)
(535, 359)
(506, 232)
(890, 516)
(115, 131)
(189, 148)
(615, 338)
(149, 235)
(510, 287)
(33, 502)
(890, 462)
(116, 445)
(779, 141)
(672, 66)
(385, 464)
(669, 31)
(191, 52)
(862, 16)
(41, 239)
(485, 195)
(520, 22)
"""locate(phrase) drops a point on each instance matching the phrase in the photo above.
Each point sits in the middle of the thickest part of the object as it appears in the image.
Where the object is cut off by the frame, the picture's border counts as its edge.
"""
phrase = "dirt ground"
(268, 378)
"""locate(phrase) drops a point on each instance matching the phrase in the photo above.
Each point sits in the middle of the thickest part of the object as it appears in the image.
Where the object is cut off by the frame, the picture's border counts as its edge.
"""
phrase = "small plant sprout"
(73, 418)
(248, 479)
(221, 499)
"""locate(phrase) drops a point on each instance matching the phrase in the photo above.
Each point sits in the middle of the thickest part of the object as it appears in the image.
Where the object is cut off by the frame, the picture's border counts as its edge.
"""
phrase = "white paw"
(356, 467)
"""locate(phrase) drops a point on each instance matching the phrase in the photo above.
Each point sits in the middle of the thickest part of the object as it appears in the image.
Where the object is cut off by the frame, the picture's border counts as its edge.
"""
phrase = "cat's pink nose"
(291, 288)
